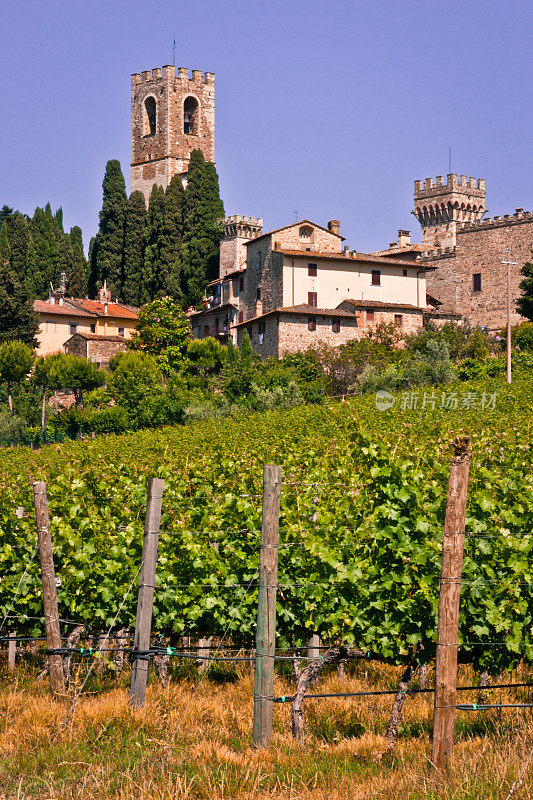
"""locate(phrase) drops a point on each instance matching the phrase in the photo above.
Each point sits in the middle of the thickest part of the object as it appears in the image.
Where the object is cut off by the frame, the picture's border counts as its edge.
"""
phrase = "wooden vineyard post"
(145, 599)
(11, 651)
(266, 608)
(448, 619)
(51, 610)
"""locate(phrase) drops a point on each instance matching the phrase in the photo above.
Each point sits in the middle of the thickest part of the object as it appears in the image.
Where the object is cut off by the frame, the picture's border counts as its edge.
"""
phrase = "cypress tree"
(17, 317)
(110, 250)
(172, 237)
(134, 249)
(202, 208)
(5, 249)
(78, 266)
(5, 213)
(46, 251)
(525, 302)
(152, 286)
(18, 234)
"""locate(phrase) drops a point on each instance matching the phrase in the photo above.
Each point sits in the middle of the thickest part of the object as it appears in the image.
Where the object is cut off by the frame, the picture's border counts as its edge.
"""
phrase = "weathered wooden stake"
(204, 648)
(448, 619)
(313, 646)
(12, 651)
(51, 610)
(266, 608)
(145, 600)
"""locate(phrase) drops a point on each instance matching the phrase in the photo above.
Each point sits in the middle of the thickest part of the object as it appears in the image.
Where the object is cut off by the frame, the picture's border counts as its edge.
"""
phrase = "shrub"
(12, 429)
(522, 337)
(263, 399)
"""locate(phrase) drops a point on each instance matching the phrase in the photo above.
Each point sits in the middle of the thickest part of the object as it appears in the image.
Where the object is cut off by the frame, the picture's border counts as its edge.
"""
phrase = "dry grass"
(189, 743)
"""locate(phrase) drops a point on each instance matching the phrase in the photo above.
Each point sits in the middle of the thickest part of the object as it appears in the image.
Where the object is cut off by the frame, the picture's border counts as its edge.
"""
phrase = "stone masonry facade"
(238, 230)
(264, 265)
(471, 280)
(98, 349)
(171, 115)
(289, 330)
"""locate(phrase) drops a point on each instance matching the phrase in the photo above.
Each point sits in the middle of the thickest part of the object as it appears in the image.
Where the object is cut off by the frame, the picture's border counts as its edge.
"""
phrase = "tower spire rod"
(174, 53)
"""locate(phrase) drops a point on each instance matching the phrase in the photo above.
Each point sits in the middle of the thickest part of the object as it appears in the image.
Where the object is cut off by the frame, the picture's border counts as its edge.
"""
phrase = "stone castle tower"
(442, 208)
(237, 231)
(171, 115)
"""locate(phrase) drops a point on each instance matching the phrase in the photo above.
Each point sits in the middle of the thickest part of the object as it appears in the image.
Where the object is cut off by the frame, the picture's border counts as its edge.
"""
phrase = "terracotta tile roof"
(408, 248)
(381, 304)
(113, 309)
(67, 308)
(294, 225)
(74, 306)
(358, 257)
(301, 309)
(214, 310)
(97, 337)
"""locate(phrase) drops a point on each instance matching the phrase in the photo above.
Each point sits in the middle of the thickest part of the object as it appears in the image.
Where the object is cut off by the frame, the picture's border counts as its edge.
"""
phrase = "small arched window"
(149, 116)
(190, 116)
(306, 234)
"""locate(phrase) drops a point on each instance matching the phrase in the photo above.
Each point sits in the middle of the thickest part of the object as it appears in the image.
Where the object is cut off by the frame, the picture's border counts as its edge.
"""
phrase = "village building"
(266, 279)
(299, 286)
(61, 317)
(95, 347)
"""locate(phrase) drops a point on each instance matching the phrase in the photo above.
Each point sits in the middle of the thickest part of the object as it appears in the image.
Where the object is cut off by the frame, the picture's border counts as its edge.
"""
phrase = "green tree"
(133, 376)
(47, 252)
(206, 357)
(18, 321)
(153, 282)
(202, 210)
(134, 249)
(240, 371)
(5, 249)
(5, 213)
(76, 276)
(47, 375)
(170, 250)
(16, 360)
(164, 331)
(109, 254)
(79, 375)
(524, 304)
(18, 234)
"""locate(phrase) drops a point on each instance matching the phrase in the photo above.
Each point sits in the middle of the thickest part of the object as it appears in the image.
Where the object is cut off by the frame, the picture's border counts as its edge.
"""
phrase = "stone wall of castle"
(479, 250)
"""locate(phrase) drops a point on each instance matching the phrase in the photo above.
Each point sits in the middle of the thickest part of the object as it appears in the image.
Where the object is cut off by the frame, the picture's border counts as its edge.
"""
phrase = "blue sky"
(330, 110)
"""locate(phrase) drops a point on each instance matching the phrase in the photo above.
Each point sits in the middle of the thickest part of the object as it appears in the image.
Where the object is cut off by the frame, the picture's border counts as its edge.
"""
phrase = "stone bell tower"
(442, 208)
(171, 115)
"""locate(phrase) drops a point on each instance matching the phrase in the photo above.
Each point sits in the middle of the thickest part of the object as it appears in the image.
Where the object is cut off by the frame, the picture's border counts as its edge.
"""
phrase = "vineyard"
(362, 505)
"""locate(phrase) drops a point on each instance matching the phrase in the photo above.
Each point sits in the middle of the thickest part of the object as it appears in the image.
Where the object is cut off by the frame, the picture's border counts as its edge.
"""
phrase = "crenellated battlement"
(243, 218)
(454, 183)
(442, 207)
(242, 227)
(169, 71)
(520, 216)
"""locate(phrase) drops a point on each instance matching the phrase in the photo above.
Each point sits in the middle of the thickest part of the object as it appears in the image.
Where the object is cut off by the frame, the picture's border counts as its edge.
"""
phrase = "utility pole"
(509, 264)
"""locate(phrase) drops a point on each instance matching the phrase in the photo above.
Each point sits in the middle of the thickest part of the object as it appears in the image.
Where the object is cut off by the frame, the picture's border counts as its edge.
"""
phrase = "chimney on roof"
(404, 238)
(104, 295)
(334, 225)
